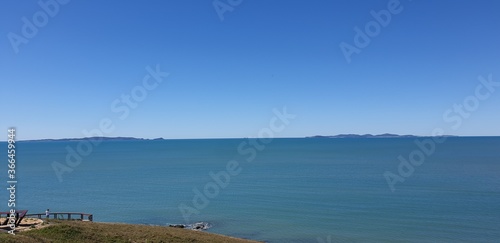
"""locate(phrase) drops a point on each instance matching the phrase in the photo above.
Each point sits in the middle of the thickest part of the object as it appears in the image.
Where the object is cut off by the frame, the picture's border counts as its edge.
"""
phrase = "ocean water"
(289, 190)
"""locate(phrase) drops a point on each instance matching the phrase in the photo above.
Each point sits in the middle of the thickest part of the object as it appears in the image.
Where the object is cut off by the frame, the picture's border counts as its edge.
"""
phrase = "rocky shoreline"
(196, 226)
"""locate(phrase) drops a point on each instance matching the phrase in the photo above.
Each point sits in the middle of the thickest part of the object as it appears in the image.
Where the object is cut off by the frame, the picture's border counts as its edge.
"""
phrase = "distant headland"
(93, 139)
(385, 135)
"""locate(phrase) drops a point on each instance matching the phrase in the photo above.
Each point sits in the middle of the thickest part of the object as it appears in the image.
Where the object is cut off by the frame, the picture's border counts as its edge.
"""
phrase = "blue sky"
(227, 76)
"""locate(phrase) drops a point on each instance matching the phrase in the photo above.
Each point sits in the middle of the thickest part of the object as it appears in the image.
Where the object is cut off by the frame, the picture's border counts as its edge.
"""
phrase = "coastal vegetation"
(91, 232)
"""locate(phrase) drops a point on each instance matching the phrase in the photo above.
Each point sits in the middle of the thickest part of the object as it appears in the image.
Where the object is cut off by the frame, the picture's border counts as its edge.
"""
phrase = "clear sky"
(227, 75)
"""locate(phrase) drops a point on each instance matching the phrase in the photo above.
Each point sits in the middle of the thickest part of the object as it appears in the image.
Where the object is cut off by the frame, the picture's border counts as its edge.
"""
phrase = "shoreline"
(84, 231)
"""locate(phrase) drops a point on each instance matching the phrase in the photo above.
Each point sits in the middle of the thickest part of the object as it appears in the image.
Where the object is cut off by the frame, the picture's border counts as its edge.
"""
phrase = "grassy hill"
(91, 232)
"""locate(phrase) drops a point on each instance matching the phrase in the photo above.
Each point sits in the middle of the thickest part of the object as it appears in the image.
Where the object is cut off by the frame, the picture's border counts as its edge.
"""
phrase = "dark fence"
(63, 216)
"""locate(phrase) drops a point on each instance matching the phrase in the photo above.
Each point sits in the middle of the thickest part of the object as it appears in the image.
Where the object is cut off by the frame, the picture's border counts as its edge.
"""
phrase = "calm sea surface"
(293, 190)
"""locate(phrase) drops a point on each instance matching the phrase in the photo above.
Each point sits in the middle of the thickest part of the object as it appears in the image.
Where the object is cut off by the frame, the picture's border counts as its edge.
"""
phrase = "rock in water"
(195, 226)
(177, 225)
(200, 226)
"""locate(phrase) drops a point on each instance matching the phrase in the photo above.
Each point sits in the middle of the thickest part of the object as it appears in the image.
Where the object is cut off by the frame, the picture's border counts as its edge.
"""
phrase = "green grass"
(91, 232)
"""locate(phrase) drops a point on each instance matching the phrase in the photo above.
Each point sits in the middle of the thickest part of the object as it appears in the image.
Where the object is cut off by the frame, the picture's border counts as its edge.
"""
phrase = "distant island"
(93, 139)
(385, 135)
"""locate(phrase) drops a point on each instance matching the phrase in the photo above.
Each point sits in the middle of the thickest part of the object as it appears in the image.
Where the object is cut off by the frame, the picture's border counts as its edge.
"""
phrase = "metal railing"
(63, 216)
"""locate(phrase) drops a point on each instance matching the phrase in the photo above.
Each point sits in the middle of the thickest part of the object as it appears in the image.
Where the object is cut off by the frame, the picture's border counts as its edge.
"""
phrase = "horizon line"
(388, 135)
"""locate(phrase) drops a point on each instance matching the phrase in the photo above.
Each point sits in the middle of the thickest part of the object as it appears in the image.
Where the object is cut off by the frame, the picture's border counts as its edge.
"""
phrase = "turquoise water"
(294, 190)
